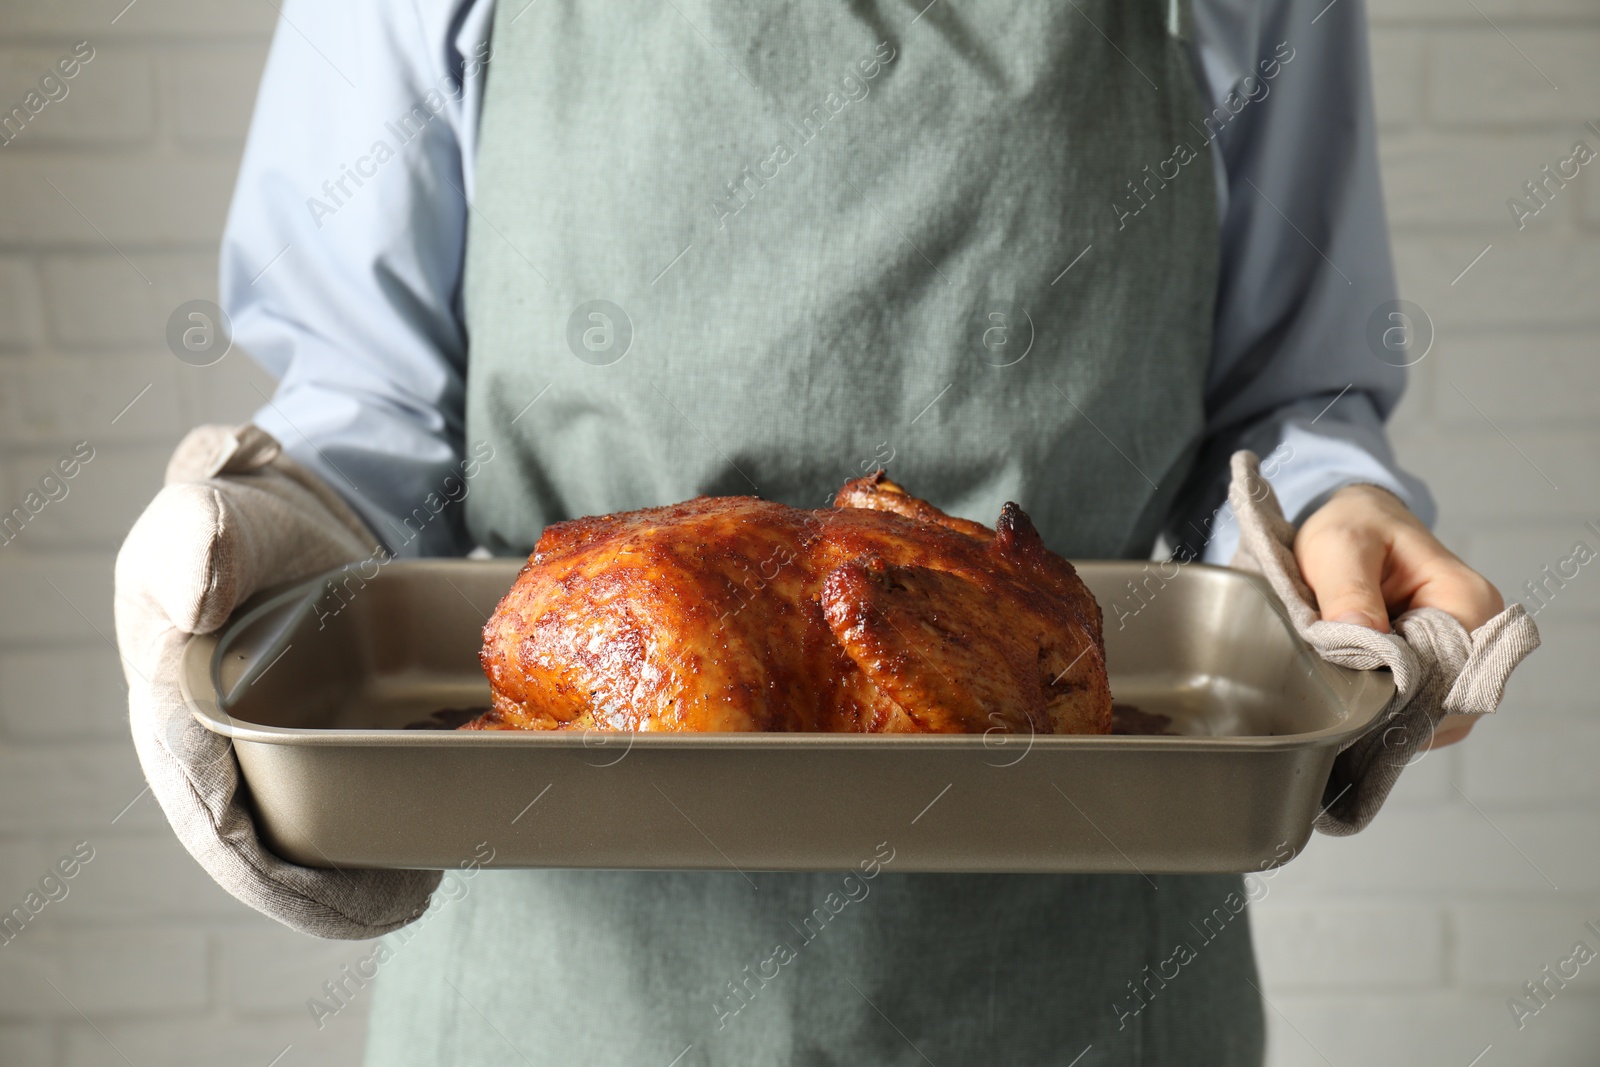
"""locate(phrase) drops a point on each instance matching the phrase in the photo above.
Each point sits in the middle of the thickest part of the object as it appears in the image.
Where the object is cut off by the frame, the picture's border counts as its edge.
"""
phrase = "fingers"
(1363, 553)
(1451, 728)
(1344, 566)
(1429, 575)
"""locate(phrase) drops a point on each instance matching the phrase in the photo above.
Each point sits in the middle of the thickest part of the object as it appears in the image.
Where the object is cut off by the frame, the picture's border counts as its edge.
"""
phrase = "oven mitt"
(1439, 669)
(235, 516)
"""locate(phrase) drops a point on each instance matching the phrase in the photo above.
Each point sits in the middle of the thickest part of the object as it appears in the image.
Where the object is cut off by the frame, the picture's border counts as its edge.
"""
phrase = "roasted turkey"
(880, 614)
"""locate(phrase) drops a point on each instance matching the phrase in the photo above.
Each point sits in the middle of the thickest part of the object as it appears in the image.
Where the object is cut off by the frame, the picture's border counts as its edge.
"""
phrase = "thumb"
(184, 554)
(1344, 568)
(201, 548)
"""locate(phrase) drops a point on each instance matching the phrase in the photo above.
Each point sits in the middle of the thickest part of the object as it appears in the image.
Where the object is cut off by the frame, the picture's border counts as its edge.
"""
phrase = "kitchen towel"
(1439, 668)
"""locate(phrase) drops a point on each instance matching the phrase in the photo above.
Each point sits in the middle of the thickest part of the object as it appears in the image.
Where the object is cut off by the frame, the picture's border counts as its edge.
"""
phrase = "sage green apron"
(762, 248)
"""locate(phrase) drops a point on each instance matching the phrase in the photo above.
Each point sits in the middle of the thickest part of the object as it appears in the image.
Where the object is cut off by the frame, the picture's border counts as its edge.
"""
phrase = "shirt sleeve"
(1305, 266)
(342, 255)
(343, 251)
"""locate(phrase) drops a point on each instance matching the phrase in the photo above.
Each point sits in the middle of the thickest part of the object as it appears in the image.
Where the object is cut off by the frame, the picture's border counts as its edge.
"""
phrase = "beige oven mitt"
(235, 516)
(1439, 669)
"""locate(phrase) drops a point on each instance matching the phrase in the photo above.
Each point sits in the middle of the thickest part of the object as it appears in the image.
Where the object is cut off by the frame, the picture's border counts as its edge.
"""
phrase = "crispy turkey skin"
(879, 614)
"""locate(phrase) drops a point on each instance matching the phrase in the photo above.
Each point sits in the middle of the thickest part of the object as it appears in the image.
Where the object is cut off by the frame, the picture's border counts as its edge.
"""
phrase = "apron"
(762, 249)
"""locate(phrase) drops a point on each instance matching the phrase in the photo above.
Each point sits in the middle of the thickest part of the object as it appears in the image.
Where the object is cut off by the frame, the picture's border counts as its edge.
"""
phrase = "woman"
(1068, 255)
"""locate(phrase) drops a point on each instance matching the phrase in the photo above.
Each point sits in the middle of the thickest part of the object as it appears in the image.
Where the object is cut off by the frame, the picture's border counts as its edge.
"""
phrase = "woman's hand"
(1366, 557)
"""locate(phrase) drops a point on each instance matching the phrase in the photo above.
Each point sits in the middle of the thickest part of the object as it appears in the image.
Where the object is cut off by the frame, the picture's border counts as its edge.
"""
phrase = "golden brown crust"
(881, 614)
(877, 493)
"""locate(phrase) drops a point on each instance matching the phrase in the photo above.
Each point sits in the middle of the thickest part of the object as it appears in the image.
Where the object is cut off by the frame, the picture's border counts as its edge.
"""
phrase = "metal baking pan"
(315, 685)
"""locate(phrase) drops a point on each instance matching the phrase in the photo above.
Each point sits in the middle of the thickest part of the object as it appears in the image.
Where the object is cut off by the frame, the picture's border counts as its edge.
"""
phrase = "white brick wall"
(165, 967)
(1427, 922)
(1398, 946)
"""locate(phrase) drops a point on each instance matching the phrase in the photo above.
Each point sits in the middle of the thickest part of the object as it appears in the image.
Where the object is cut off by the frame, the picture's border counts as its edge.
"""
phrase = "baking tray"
(314, 685)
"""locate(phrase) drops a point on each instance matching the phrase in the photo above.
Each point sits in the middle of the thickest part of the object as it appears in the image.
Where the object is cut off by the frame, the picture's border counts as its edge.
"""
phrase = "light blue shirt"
(342, 261)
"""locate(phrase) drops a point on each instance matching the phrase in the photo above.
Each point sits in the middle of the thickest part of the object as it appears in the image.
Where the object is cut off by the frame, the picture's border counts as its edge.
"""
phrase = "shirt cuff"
(1307, 454)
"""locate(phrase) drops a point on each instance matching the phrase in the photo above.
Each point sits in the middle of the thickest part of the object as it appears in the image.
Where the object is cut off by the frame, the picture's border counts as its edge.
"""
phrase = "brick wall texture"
(1399, 946)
